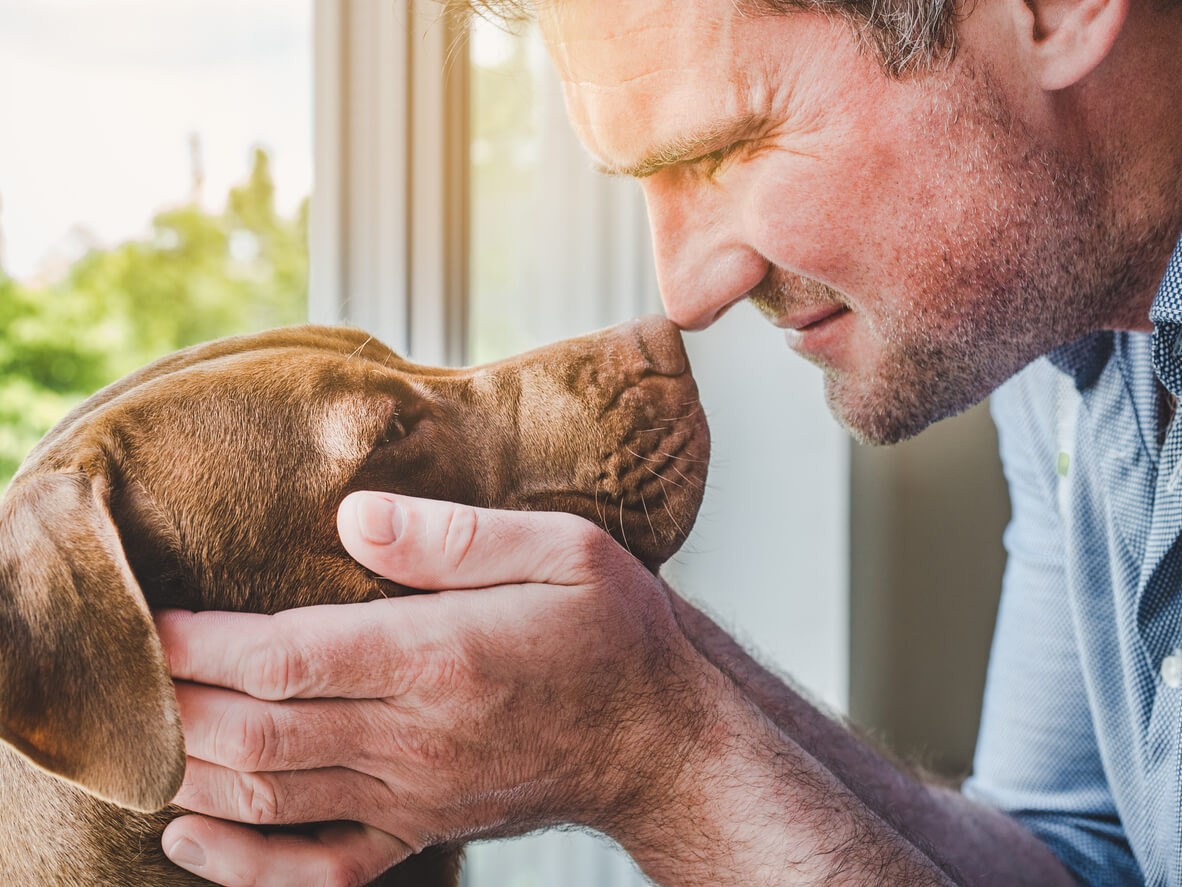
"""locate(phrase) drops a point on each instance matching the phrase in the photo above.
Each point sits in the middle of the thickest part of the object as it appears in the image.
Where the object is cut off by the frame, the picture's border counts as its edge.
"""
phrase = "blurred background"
(173, 172)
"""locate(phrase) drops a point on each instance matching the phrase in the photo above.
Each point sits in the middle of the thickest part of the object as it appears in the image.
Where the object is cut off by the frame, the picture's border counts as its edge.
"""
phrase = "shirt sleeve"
(1037, 757)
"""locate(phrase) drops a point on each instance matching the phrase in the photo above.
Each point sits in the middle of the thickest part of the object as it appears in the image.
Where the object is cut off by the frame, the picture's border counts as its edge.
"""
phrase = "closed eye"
(711, 164)
(394, 431)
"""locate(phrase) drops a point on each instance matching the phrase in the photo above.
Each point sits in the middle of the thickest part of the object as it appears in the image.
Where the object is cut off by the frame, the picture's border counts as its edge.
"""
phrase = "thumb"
(332, 853)
(434, 545)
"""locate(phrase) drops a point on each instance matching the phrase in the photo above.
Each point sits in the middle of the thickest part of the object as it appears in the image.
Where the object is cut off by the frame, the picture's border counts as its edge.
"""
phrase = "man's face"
(919, 239)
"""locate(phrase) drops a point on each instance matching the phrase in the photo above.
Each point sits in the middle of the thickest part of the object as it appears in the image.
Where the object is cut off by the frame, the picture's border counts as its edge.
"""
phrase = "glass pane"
(557, 249)
(154, 174)
(507, 71)
(540, 271)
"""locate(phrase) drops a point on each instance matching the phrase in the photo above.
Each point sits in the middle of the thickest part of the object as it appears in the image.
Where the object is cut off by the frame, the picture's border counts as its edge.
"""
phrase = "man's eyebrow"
(691, 147)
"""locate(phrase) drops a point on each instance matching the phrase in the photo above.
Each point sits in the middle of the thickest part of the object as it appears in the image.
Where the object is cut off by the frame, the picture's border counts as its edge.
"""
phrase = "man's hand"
(547, 681)
(553, 686)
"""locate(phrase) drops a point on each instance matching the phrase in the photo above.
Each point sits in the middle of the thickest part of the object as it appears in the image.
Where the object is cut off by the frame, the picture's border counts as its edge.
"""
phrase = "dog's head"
(211, 479)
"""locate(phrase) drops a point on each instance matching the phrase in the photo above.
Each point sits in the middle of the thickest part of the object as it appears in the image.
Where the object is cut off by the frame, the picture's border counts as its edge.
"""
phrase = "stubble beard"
(1038, 261)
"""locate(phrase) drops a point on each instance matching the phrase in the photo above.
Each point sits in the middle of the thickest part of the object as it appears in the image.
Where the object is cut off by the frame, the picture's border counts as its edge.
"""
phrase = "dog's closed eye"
(406, 413)
(394, 430)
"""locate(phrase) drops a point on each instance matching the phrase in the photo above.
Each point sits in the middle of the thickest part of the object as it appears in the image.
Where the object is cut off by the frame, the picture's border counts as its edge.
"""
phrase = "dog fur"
(210, 480)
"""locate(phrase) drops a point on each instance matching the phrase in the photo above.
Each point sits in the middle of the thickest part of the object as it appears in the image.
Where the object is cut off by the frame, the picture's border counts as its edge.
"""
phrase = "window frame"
(388, 239)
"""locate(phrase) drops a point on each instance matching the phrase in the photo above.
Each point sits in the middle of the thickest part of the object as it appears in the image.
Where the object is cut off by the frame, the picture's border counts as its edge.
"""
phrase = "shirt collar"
(1167, 304)
(1166, 314)
(1084, 358)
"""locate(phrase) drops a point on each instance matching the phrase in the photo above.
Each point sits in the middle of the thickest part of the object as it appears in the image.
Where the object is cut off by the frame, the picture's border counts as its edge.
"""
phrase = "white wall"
(769, 552)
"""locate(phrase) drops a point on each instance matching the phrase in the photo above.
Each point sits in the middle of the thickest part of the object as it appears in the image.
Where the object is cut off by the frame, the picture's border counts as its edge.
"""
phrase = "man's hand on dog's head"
(546, 682)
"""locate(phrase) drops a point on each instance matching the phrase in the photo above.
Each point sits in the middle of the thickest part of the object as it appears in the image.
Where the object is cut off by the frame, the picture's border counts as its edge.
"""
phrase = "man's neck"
(1132, 111)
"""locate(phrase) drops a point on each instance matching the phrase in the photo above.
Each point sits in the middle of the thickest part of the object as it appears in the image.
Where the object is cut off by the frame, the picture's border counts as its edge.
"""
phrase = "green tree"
(505, 143)
(198, 276)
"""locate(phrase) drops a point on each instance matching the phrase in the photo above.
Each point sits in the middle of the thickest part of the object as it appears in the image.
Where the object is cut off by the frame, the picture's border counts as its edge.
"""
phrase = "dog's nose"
(659, 341)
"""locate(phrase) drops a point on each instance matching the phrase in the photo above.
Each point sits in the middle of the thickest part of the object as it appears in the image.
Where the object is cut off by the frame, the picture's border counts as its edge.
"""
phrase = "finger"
(281, 798)
(351, 651)
(238, 731)
(433, 545)
(239, 856)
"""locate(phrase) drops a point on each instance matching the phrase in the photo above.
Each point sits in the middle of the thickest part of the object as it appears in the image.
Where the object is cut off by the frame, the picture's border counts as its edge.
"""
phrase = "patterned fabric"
(1081, 737)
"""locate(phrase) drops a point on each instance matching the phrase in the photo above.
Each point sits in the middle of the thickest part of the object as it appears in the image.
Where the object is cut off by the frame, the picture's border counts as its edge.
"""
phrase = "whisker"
(638, 456)
(602, 512)
(679, 458)
(669, 512)
(660, 476)
(360, 348)
(651, 528)
(623, 532)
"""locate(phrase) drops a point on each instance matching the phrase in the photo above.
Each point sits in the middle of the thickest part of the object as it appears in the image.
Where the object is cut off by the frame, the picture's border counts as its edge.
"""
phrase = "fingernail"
(378, 519)
(186, 853)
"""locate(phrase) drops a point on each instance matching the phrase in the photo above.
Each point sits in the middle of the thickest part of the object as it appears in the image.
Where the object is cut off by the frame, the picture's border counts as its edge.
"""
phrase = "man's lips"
(804, 320)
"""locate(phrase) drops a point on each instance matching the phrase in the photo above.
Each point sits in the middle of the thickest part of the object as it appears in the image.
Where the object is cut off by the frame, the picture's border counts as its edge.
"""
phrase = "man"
(927, 200)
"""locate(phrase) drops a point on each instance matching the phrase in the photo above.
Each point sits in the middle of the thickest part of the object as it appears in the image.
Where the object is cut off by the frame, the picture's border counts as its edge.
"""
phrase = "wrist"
(703, 815)
(741, 803)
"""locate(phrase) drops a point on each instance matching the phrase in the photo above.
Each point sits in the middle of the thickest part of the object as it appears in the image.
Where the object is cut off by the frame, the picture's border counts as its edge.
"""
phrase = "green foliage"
(198, 276)
(505, 145)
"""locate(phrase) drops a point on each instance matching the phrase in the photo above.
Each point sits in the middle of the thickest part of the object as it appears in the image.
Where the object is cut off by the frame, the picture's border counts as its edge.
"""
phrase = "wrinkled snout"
(610, 427)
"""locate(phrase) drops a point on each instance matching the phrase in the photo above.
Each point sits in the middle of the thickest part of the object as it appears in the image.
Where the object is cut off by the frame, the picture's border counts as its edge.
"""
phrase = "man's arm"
(561, 687)
(971, 843)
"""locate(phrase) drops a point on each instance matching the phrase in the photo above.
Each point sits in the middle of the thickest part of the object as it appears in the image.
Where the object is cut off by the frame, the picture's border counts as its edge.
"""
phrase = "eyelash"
(713, 162)
(394, 431)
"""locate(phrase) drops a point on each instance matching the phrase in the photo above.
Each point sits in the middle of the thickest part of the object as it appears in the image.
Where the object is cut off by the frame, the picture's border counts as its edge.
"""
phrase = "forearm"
(746, 805)
(971, 843)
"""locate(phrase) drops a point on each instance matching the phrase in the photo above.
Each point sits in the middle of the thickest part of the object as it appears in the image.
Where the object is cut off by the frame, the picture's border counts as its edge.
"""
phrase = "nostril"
(659, 341)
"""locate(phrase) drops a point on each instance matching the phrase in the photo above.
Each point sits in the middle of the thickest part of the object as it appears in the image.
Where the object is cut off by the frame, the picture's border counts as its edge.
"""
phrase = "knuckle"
(426, 749)
(245, 739)
(277, 669)
(241, 876)
(431, 677)
(586, 550)
(459, 535)
(343, 871)
(258, 799)
(406, 676)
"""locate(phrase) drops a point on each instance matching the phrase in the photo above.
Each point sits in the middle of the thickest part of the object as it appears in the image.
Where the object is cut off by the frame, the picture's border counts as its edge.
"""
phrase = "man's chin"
(880, 414)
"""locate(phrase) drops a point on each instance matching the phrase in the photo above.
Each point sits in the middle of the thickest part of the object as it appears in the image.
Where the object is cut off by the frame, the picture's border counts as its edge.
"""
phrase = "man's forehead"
(588, 32)
(642, 72)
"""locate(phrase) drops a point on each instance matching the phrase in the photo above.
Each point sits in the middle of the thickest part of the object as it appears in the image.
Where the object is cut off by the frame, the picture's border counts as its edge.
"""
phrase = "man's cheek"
(801, 220)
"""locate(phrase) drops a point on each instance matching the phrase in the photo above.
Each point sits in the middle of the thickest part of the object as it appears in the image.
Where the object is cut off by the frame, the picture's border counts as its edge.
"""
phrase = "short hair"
(906, 35)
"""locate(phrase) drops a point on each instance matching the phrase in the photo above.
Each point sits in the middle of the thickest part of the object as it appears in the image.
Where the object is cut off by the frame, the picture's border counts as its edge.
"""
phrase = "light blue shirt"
(1081, 736)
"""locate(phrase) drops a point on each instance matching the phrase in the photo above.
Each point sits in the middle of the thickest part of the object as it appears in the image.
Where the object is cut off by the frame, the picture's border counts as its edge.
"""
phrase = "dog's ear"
(84, 689)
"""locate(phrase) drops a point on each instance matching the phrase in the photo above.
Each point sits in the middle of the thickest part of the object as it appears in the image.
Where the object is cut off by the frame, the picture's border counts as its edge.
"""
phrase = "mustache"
(781, 293)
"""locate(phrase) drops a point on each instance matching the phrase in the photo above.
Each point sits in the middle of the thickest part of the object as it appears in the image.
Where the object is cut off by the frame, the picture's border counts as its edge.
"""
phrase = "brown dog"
(211, 479)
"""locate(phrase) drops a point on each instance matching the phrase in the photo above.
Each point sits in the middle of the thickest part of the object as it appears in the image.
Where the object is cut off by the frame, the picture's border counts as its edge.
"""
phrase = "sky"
(98, 102)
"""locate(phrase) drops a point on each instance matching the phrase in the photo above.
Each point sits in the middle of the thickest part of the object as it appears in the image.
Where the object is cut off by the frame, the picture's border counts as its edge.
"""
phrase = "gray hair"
(906, 35)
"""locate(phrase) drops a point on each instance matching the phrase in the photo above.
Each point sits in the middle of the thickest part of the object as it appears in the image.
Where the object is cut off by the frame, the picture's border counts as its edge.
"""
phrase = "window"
(154, 175)
(538, 247)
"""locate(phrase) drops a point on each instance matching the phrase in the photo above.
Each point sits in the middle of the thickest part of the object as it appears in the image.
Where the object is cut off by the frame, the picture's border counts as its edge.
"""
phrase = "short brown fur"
(210, 480)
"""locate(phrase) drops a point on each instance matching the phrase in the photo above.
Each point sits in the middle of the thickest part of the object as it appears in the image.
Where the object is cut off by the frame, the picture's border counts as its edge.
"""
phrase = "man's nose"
(704, 264)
